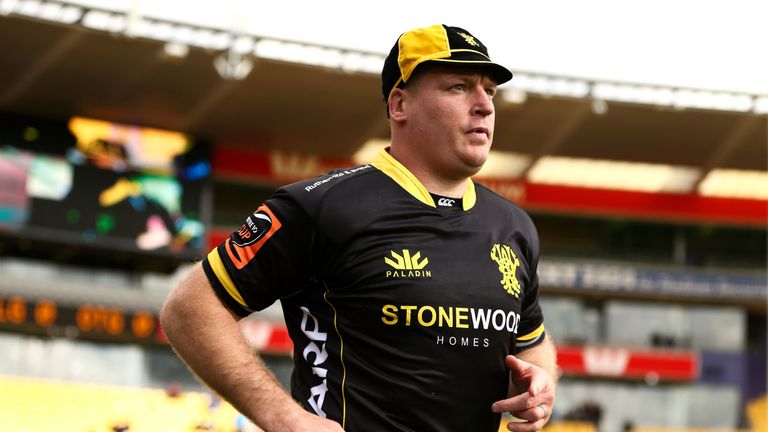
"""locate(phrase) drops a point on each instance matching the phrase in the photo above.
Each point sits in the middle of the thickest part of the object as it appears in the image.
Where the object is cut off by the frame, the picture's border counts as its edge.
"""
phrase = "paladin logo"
(507, 260)
(407, 265)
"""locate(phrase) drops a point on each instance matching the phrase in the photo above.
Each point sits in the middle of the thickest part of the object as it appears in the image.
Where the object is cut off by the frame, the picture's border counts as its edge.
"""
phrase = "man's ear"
(397, 99)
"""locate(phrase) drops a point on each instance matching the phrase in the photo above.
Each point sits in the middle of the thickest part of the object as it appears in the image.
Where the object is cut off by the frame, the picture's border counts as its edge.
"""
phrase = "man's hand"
(534, 403)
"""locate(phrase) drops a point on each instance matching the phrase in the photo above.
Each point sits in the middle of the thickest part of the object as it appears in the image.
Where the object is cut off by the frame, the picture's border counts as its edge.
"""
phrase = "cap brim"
(499, 73)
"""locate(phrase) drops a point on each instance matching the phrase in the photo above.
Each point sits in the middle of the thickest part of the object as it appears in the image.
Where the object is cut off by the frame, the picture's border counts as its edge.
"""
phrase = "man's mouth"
(480, 131)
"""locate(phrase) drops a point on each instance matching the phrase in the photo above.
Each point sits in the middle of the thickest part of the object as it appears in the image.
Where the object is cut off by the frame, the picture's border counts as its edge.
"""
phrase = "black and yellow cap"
(437, 43)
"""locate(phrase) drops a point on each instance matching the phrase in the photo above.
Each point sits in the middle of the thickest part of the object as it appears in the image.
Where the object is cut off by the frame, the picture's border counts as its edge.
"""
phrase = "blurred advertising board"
(47, 317)
(632, 364)
(84, 181)
(674, 282)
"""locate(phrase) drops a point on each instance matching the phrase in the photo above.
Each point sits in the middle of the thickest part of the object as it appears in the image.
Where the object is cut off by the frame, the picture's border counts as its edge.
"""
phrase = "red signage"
(622, 363)
(282, 168)
(647, 205)
(266, 336)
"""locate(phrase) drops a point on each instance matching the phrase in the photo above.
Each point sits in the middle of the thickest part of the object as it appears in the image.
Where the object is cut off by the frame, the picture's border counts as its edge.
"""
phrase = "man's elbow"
(169, 314)
(183, 297)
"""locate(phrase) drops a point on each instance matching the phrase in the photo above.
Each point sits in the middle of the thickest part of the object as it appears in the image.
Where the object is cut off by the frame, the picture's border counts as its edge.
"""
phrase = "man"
(405, 287)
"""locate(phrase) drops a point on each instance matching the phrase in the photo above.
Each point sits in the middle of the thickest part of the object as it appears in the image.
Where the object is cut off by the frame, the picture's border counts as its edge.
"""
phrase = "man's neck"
(434, 183)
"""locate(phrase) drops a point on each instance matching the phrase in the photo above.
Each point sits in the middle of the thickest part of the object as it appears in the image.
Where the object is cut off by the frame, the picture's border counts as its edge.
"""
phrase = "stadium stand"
(35, 405)
(757, 412)
(681, 430)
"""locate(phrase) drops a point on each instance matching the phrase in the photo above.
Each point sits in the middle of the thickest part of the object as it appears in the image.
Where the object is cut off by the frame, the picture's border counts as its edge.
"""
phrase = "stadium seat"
(36, 405)
(558, 426)
(757, 411)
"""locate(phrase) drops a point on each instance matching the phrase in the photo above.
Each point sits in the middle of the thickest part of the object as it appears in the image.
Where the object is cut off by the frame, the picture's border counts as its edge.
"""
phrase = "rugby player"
(409, 291)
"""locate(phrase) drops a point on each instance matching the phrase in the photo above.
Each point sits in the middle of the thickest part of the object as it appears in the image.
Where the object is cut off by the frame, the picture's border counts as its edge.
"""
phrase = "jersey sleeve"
(269, 257)
(531, 331)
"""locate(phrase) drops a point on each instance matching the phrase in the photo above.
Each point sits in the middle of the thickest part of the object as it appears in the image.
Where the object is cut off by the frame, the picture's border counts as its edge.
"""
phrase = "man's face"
(451, 115)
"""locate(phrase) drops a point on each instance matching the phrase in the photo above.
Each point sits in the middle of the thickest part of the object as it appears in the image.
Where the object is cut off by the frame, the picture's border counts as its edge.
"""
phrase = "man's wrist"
(284, 416)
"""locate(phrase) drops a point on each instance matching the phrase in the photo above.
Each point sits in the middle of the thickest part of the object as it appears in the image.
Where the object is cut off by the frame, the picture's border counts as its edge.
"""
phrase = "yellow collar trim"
(400, 174)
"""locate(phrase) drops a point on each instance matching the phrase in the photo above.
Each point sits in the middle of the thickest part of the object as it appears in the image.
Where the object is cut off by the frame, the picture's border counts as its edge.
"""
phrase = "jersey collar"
(400, 174)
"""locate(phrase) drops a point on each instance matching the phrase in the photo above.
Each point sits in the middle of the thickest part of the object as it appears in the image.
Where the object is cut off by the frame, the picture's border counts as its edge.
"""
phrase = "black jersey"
(401, 311)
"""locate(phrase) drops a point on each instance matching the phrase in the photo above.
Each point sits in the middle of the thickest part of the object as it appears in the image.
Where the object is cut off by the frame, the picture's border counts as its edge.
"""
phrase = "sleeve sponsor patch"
(254, 228)
(242, 245)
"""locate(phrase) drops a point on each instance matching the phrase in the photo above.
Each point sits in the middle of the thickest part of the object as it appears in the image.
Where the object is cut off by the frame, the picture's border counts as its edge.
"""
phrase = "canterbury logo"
(406, 261)
(446, 202)
(508, 263)
(470, 40)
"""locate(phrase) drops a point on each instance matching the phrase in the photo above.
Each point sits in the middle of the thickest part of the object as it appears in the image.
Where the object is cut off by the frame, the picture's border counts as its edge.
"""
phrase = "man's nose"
(483, 102)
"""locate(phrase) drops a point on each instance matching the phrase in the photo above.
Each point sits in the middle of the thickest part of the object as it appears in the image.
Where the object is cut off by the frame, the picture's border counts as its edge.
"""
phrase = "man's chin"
(477, 163)
(473, 169)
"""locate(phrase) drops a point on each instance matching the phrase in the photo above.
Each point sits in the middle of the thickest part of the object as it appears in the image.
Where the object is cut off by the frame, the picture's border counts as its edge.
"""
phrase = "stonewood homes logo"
(407, 265)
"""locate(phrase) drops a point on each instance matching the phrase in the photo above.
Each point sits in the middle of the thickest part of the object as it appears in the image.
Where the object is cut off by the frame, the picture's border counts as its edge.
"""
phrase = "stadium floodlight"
(178, 33)
(157, 30)
(314, 55)
(175, 50)
(548, 86)
(359, 62)
(202, 38)
(48, 11)
(713, 100)
(732, 183)
(160, 31)
(761, 105)
(104, 21)
(243, 44)
(325, 57)
(633, 94)
(233, 66)
(610, 174)
(599, 106)
(676, 98)
(514, 95)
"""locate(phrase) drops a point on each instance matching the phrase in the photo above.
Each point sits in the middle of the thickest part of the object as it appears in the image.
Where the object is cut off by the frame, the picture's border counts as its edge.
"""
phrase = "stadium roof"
(271, 94)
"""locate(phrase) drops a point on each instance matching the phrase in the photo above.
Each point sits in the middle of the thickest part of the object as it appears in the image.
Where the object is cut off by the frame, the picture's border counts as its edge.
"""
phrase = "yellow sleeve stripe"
(221, 273)
(532, 335)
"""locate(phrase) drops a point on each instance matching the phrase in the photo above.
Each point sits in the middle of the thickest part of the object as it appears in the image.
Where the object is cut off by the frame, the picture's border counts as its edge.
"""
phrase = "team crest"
(508, 263)
(469, 39)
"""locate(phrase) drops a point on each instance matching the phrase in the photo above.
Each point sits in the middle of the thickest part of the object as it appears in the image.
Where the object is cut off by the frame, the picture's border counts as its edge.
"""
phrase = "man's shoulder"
(497, 203)
(327, 181)
(496, 200)
(341, 183)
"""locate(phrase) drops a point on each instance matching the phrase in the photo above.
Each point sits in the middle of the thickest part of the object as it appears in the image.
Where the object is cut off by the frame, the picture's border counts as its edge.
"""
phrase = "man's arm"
(533, 382)
(206, 335)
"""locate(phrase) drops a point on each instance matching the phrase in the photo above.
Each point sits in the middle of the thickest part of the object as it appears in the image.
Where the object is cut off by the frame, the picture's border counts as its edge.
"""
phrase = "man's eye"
(460, 86)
